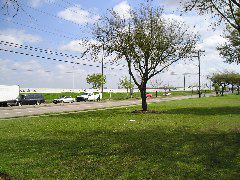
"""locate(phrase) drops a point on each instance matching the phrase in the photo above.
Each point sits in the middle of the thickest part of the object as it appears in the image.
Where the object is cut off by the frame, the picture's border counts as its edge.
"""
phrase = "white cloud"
(80, 46)
(173, 17)
(20, 72)
(18, 36)
(32, 73)
(170, 4)
(75, 46)
(37, 3)
(123, 10)
(210, 43)
(78, 15)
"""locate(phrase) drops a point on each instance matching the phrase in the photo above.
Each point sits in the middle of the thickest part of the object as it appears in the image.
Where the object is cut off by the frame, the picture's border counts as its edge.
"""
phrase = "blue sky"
(59, 25)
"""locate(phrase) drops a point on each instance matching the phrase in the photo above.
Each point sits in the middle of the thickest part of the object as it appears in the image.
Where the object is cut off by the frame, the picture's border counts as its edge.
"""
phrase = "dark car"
(31, 99)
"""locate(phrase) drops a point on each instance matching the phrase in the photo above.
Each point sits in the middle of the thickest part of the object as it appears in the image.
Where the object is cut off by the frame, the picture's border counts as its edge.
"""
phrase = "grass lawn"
(196, 138)
(114, 96)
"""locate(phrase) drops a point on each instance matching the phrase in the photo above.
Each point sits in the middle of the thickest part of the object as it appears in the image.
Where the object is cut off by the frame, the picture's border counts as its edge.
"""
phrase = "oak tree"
(125, 83)
(148, 42)
(97, 80)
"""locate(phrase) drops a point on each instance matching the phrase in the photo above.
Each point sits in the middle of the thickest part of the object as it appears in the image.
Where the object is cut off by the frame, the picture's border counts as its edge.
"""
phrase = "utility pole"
(184, 82)
(102, 67)
(199, 71)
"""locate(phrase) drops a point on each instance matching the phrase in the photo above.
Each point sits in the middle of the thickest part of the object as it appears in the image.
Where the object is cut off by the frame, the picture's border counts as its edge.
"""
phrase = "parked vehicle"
(64, 99)
(149, 95)
(89, 96)
(167, 94)
(9, 95)
(31, 99)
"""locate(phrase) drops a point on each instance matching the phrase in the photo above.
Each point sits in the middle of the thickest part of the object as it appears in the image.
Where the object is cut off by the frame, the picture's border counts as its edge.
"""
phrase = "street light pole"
(73, 77)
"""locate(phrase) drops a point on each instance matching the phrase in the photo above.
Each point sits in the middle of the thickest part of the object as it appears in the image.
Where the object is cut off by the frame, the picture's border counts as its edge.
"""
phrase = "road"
(32, 110)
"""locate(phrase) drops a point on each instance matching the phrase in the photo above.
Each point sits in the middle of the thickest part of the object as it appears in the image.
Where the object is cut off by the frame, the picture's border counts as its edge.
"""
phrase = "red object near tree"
(148, 95)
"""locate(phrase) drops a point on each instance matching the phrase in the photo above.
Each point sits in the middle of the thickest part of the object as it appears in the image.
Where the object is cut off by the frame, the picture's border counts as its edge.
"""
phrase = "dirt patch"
(4, 176)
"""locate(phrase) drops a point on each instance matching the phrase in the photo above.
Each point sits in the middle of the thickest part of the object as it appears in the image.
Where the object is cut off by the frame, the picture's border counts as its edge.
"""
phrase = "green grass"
(196, 138)
(114, 96)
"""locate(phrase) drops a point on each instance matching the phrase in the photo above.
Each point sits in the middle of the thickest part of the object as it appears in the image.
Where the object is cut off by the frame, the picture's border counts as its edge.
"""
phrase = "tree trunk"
(143, 96)
(238, 90)
(232, 88)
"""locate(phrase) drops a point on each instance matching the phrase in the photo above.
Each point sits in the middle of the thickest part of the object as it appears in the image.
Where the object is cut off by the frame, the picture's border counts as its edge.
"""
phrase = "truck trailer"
(9, 95)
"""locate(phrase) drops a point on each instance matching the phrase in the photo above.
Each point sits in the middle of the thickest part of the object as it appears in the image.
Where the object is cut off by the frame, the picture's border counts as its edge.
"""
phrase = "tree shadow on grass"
(150, 153)
(204, 111)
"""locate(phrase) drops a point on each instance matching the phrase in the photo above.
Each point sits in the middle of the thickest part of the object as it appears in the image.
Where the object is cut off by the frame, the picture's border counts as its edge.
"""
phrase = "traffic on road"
(10, 96)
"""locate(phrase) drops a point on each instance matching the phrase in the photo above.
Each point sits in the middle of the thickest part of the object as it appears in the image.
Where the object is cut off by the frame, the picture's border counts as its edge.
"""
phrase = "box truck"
(9, 95)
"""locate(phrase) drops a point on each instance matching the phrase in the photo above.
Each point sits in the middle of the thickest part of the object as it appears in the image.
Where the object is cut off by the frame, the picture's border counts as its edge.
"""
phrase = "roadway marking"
(30, 111)
(6, 113)
(18, 112)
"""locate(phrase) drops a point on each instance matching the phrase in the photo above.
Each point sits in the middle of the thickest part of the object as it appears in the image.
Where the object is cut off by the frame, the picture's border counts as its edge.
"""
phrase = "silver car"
(64, 99)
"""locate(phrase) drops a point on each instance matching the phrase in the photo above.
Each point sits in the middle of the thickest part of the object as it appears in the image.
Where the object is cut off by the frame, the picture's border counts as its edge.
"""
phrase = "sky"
(57, 26)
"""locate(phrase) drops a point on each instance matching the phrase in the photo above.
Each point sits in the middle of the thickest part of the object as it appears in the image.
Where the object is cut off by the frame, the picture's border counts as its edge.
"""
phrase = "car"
(64, 99)
(31, 99)
(149, 95)
(89, 96)
(167, 94)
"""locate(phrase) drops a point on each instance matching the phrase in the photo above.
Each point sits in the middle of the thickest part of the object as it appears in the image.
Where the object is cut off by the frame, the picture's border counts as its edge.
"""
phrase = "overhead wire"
(39, 29)
(47, 58)
(54, 59)
(53, 33)
(41, 50)
(52, 15)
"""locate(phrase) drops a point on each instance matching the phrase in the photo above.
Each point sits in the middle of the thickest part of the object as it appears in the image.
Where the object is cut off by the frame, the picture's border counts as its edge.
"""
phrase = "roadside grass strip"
(186, 139)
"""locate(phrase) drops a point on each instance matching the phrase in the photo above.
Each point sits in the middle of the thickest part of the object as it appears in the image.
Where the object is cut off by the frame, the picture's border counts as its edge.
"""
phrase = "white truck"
(89, 96)
(9, 95)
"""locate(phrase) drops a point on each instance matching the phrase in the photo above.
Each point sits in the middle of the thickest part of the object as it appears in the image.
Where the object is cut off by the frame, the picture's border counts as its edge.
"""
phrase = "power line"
(52, 15)
(69, 9)
(54, 59)
(39, 29)
(71, 4)
(47, 58)
(32, 48)
(44, 27)
(46, 51)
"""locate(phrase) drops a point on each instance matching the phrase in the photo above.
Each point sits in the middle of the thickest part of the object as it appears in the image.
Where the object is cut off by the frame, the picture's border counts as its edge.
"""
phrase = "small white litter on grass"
(131, 120)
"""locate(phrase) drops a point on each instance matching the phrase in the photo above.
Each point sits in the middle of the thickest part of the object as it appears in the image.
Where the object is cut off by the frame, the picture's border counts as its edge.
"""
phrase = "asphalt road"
(13, 112)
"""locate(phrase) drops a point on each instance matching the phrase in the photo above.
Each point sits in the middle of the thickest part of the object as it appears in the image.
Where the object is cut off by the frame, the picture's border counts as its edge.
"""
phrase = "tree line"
(222, 81)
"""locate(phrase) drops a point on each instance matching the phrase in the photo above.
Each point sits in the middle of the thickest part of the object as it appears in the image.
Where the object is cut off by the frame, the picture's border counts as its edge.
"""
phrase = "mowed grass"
(49, 97)
(196, 138)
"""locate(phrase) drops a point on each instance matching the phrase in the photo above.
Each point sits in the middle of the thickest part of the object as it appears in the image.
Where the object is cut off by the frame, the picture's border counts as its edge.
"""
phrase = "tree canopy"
(230, 50)
(223, 10)
(125, 83)
(147, 41)
(97, 80)
(224, 79)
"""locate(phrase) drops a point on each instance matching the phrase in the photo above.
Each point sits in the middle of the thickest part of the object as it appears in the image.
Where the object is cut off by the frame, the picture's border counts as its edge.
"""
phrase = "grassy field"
(196, 138)
(113, 96)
